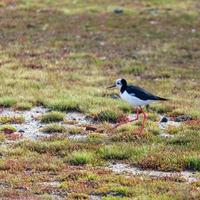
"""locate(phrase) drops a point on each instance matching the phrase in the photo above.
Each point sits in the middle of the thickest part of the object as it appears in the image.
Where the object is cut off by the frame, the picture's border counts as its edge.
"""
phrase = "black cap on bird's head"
(119, 83)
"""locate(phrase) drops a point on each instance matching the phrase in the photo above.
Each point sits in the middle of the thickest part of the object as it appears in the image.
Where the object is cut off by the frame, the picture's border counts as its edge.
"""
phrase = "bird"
(136, 97)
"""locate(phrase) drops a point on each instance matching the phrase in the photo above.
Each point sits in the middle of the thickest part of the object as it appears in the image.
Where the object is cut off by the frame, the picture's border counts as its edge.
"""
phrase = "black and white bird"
(136, 97)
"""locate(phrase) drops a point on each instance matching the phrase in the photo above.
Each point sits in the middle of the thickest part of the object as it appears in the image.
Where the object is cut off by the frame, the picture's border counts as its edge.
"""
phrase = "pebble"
(118, 11)
(183, 118)
(164, 120)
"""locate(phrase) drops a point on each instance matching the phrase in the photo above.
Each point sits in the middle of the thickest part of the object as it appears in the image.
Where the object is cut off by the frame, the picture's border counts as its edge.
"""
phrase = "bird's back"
(140, 93)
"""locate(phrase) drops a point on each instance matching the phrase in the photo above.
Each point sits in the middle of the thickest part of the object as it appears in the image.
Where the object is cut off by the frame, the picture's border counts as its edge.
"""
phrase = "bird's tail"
(161, 99)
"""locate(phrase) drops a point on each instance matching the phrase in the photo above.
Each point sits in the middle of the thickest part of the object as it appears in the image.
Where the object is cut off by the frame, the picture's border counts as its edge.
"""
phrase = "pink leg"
(137, 117)
(144, 119)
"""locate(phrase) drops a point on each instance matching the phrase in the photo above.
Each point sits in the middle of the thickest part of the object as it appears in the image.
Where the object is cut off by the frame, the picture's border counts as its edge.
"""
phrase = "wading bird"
(136, 97)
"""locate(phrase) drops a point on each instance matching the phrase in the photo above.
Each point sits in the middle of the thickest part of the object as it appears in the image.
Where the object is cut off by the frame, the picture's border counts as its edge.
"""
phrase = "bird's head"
(119, 83)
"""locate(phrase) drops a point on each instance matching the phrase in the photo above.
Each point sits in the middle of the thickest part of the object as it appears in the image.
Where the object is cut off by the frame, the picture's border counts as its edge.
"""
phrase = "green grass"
(65, 62)
(7, 128)
(108, 116)
(53, 128)
(80, 158)
(115, 152)
(11, 120)
(7, 101)
(52, 117)
(64, 105)
(74, 131)
(192, 163)
(24, 105)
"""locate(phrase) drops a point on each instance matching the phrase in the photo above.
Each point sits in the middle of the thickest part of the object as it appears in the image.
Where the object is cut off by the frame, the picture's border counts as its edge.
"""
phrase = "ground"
(56, 60)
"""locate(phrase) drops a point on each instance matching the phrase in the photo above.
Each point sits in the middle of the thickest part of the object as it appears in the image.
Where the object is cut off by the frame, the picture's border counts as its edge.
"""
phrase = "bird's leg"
(137, 117)
(144, 119)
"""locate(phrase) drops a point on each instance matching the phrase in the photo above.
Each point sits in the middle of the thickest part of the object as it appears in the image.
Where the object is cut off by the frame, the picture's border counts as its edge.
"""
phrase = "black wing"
(142, 93)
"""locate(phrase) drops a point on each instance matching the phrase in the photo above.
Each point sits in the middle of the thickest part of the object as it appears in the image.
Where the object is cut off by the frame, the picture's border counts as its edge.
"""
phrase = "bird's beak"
(112, 86)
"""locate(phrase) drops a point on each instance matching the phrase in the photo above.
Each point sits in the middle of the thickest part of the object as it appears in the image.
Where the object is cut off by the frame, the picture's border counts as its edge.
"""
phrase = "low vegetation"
(62, 55)
(7, 129)
(11, 120)
(81, 158)
(53, 128)
(52, 117)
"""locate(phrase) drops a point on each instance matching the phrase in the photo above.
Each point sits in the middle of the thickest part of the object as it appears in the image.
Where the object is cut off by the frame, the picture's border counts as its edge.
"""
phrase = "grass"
(108, 116)
(52, 117)
(66, 67)
(53, 128)
(24, 106)
(192, 163)
(63, 105)
(80, 158)
(7, 129)
(115, 152)
(74, 131)
(7, 101)
(11, 120)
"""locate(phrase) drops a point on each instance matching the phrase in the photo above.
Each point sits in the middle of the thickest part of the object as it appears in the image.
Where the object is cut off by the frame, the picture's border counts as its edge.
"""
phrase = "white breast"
(134, 101)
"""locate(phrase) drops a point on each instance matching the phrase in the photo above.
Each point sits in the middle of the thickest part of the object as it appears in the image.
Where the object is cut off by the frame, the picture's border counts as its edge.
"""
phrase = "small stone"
(183, 118)
(8, 131)
(118, 10)
(153, 22)
(102, 58)
(164, 120)
(115, 96)
(90, 128)
(193, 30)
(30, 26)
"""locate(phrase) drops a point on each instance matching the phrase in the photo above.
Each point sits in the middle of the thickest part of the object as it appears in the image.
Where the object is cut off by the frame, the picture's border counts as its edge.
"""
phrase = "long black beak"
(112, 86)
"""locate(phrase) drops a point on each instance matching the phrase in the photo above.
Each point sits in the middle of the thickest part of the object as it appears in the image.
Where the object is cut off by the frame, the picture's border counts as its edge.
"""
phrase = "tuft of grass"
(123, 191)
(192, 163)
(54, 147)
(7, 129)
(24, 106)
(163, 160)
(7, 101)
(81, 158)
(153, 128)
(75, 130)
(173, 130)
(52, 117)
(117, 152)
(64, 105)
(108, 116)
(53, 128)
(95, 138)
(128, 133)
(12, 120)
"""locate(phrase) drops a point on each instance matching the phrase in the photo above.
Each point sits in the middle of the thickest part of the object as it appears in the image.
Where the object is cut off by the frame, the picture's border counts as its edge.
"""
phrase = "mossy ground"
(62, 55)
